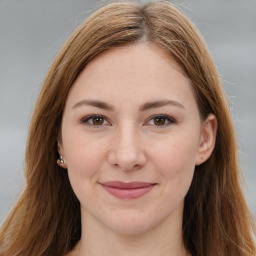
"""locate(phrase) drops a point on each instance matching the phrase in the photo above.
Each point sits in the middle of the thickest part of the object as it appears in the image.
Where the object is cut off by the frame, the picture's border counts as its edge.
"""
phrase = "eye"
(161, 120)
(95, 120)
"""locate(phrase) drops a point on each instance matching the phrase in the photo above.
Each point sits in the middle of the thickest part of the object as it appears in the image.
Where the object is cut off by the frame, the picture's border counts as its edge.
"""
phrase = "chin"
(131, 224)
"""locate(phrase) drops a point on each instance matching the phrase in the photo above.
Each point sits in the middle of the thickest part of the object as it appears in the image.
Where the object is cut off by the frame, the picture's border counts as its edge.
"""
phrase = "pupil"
(159, 121)
(98, 121)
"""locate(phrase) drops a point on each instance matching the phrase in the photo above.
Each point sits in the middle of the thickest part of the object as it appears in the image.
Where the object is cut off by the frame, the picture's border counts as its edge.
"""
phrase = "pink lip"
(130, 190)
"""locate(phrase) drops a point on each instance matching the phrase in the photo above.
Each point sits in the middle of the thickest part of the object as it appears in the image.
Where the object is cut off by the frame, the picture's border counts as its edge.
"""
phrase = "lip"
(127, 190)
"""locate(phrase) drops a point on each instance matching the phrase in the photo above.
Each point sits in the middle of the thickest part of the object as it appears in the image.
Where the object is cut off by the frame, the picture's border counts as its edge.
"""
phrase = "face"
(131, 137)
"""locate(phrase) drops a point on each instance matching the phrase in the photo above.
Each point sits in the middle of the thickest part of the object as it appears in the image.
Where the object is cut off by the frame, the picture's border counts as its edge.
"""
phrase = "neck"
(164, 240)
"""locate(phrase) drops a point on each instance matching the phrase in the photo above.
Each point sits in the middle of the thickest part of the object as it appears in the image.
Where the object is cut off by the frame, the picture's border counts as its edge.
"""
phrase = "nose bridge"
(127, 151)
(128, 140)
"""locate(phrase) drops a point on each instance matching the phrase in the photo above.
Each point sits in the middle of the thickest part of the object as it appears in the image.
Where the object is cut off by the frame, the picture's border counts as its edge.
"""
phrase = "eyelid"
(85, 120)
(170, 120)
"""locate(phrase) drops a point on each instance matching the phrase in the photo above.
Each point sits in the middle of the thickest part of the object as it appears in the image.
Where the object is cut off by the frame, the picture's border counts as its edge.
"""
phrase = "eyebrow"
(146, 106)
(160, 103)
(94, 103)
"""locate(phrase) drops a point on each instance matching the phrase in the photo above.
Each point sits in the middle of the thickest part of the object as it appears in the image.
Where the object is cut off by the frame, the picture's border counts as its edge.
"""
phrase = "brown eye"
(159, 121)
(97, 121)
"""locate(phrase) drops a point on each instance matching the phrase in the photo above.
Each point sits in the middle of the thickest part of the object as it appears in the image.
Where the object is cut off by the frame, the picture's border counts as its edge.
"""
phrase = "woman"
(133, 112)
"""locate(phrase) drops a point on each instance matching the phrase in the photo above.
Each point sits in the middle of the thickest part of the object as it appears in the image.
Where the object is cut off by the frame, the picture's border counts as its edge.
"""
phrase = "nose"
(127, 150)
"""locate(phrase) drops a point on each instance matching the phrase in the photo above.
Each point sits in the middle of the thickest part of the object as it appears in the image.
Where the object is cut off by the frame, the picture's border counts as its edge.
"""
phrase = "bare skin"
(131, 115)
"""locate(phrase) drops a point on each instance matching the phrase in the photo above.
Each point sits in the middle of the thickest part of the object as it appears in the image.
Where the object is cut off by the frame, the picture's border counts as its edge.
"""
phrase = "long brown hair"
(46, 219)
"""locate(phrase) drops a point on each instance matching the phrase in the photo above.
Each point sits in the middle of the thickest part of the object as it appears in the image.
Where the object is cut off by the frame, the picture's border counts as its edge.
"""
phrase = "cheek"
(175, 161)
(84, 160)
(84, 157)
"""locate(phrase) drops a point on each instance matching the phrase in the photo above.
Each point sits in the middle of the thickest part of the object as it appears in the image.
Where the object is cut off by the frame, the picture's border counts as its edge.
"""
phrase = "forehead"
(135, 57)
(139, 69)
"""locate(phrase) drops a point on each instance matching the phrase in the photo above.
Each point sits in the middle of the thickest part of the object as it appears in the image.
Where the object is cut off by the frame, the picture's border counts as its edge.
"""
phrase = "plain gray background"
(32, 32)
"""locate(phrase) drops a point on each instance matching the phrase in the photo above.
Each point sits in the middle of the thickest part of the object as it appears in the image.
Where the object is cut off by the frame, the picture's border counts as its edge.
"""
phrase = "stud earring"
(61, 160)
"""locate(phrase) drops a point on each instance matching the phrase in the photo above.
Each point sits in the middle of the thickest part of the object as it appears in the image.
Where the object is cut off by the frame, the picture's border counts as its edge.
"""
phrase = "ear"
(61, 153)
(207, 139)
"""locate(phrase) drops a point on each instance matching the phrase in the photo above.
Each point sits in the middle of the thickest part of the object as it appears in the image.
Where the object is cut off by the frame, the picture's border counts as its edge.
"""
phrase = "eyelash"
(167, 120)
(87, 120)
